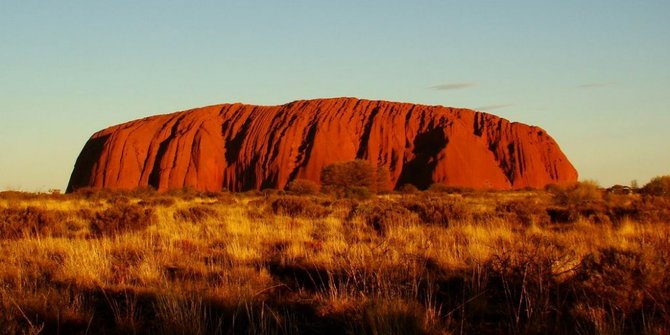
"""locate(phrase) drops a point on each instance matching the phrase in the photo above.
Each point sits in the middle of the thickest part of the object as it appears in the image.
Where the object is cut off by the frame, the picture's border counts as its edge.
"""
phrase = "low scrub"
(382, 215)
(577, 193)
(118, 220)
(658, 186)
(303, 187)
(299, 207)
(162, 201)
(438, 210)
(525, 211)
(408, 189)
(442, 188)
(194, 214)
(31, 222)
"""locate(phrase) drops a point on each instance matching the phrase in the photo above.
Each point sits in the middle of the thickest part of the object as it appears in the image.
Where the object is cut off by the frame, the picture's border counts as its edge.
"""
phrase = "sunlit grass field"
(436, 262)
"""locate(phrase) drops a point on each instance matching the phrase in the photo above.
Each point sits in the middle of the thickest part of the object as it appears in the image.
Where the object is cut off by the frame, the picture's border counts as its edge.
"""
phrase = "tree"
(343, 177)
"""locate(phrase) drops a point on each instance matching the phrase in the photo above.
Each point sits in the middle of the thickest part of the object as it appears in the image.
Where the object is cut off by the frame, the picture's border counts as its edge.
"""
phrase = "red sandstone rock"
(242, 147)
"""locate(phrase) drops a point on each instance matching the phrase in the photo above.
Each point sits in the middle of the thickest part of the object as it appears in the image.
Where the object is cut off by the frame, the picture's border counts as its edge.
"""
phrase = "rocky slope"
(242, 147)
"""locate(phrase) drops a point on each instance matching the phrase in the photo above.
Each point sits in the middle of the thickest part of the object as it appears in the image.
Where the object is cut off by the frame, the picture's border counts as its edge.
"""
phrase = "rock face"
(241, 147)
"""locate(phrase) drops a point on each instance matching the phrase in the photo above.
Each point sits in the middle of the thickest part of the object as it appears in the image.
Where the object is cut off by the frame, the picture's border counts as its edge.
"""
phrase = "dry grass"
(436, 262)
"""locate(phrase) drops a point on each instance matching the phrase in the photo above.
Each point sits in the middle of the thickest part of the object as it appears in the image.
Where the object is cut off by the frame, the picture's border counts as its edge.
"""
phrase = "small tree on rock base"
(342, 177)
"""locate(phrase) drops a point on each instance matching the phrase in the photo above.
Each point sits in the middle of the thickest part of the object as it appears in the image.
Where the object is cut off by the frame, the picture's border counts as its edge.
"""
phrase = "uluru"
(241, 147)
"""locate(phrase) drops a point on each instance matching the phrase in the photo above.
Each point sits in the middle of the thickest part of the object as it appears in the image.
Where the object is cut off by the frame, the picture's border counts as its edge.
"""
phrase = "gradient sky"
(595, 74)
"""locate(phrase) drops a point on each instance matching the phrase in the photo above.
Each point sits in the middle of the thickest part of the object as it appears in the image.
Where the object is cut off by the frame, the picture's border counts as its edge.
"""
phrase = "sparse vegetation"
(303, 187)
(569, 260)
(120, 218)
(298, 207)
(408, 189)
(659, 186)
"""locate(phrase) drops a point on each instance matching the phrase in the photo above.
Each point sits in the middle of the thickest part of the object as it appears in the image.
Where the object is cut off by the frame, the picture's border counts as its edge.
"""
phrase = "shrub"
(380, 215)
(118, 200)
(577, 193)
(256, 209)
(358, 193)
(524, 276)
(270, 192)
(659, 186)
(382, 180)
(647, 209)
(394, 317)
(434, 210)
(117, 220)
(195, 214)
(525, 211)
(31, 221)
(225, 198)
(562, 215)
(184, 193)
(614, 276)
(442, 188)
(356, 178)
(157, 201)
(595, 212)
(142, 192)
(348, 174)
(587, 201)
(408, 189)
(92, 193)
(302, 187)
(298, 206)
(627, 285)
(344, 208)
(16, 195)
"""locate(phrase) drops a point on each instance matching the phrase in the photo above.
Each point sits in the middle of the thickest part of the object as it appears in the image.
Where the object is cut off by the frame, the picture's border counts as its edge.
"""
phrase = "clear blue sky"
(595, 74)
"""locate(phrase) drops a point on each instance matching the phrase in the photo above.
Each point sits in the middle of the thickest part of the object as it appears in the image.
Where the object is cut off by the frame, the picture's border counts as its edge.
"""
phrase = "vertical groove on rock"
(365, 137)
(155, 176)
